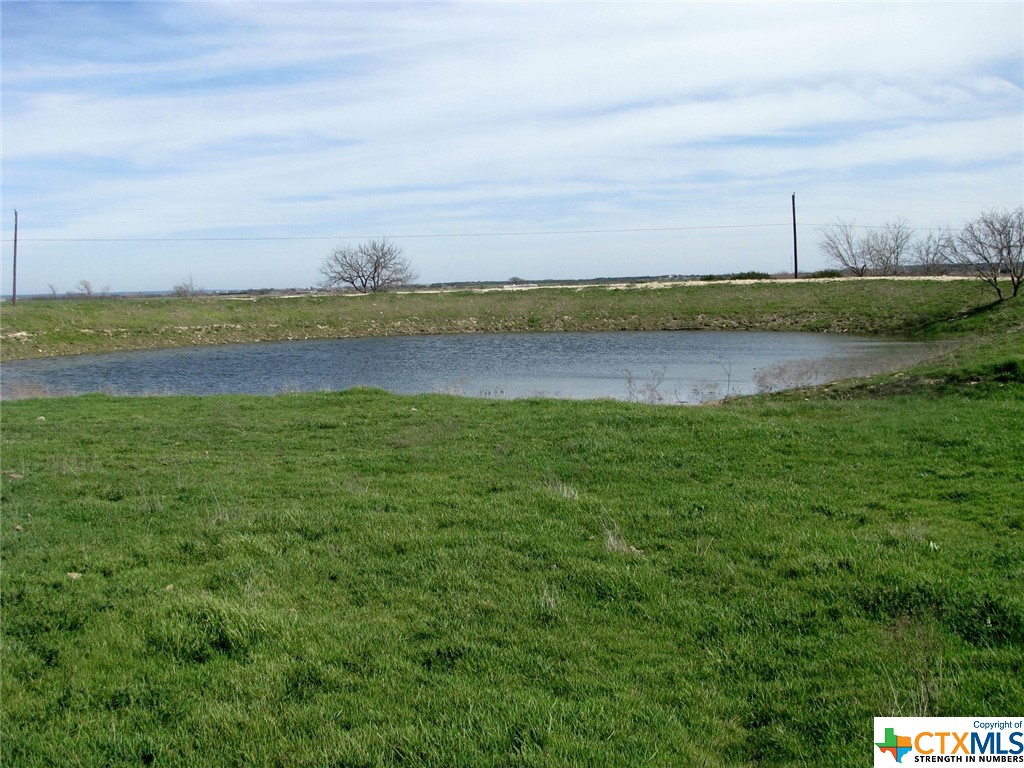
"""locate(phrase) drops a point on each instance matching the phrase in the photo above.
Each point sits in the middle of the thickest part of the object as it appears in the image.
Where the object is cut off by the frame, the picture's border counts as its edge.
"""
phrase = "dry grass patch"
(615, 542)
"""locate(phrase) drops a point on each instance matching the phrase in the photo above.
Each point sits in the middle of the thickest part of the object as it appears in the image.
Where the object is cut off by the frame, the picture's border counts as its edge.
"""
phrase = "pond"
(650, 366)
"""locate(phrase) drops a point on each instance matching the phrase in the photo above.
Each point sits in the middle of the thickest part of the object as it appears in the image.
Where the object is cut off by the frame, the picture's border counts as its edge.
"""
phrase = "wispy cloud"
(246, 119)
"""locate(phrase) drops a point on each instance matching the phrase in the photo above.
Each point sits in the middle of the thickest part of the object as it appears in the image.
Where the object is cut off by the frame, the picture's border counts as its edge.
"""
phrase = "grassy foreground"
(362, 579)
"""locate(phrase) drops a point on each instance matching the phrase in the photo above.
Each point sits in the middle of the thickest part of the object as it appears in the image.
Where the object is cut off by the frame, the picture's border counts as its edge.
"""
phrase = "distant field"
(45, 328)
(365, 579)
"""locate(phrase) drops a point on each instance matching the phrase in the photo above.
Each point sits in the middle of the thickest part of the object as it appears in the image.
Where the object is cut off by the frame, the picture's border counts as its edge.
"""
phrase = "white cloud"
(298, 119)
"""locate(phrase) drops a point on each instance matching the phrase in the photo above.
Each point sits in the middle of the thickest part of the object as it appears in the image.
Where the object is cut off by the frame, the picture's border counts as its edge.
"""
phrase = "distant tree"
(839, 243)
(879, 251)
(370, 267)
(992, 246)
(85, 290)
(885, 249)
(931, 253)
(187, 289)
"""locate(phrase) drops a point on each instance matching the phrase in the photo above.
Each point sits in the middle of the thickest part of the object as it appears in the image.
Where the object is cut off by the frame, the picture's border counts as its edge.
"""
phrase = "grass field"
(363, 579)
(44, 328)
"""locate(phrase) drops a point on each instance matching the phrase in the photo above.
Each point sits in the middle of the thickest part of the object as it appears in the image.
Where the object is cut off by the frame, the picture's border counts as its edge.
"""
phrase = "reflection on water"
(650, 366)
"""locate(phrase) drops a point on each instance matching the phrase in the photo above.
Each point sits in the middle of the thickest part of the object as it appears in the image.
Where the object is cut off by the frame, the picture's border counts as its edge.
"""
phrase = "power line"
(394, 237)
(522, 233)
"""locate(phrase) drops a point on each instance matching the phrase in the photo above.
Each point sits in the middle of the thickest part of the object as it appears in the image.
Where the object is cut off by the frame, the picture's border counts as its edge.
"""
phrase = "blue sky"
(239, 142)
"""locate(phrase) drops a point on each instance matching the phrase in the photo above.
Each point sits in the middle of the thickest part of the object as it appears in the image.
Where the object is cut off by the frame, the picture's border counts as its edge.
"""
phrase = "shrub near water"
(366, 579)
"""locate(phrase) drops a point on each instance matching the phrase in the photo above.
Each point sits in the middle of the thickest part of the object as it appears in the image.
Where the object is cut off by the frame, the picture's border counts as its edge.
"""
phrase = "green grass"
(42, 328)
(980, 350)
(364, 579)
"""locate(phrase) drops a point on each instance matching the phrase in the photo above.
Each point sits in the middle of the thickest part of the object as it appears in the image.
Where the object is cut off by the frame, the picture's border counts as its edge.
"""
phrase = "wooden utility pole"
(14, 278)
(796, 272)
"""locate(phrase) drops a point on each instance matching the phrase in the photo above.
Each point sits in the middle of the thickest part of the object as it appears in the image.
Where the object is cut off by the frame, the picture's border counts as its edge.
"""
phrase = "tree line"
(990, 247)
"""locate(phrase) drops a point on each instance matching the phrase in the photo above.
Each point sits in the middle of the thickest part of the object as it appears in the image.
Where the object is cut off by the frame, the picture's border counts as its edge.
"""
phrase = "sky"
(239, 143)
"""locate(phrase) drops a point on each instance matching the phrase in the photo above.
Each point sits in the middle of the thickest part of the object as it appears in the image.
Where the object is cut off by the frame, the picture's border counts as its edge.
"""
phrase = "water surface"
(663, 366)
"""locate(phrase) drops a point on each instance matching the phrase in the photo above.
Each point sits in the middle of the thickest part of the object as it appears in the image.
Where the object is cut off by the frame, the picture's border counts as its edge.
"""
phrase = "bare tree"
(841, 246)
(370, 267)
(992, 246)
(885, 249)
(931, 253)
(87, 291)
(187, 288)
(880, 251)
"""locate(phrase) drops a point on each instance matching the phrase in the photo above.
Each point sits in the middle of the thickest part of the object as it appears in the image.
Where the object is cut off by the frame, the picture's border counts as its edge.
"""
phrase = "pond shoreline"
(866, 306)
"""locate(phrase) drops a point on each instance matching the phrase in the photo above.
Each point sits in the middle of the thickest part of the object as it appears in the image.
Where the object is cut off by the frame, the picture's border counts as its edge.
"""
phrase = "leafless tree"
(991, 247)
(86, 290)
(187, 289)
(931, 253)
(370, 267)
(879, 251)
(886, 249)
(841, 246)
